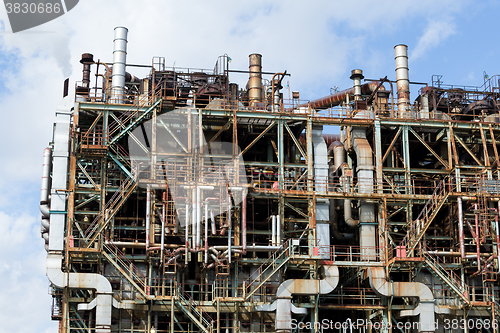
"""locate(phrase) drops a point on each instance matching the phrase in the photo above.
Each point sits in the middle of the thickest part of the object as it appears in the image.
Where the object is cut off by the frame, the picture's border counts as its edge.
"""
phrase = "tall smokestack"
(119, 61)
(403, 81)
(255, 79)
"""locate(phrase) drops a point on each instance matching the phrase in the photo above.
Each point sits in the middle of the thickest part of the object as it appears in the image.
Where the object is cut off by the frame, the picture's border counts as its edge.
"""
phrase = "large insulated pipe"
(44, 195)
(288, 288)
(55, 275)
(244, 220)
(385, 288)
(402, 80)
(273, 230)
(255, 78)
(337, 98)
(148, 214)
(119, 61)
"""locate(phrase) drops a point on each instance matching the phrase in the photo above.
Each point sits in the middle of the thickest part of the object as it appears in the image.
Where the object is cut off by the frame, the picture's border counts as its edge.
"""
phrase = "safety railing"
(350, 254)
(427, 214)
(222, 288)
(269, 268)
(194, 311)
(453, 282)
(125, 266)
(110, 209)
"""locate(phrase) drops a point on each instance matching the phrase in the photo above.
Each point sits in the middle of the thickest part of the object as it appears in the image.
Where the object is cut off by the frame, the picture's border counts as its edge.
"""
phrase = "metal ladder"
(425, 218)
(190, 307)
(451, 280)
(268, 268)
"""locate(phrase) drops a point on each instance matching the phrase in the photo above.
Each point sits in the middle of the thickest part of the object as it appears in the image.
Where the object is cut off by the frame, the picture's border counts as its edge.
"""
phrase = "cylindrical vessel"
(402, 80)
(356, 77)
(255, 78)
(119, 61)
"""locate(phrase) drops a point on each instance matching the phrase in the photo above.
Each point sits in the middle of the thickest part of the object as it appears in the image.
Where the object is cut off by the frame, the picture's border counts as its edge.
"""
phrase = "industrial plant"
(184, 202)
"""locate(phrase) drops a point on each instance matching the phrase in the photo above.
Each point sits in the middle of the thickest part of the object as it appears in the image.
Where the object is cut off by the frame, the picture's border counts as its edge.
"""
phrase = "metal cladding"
(119, 62)
(192, 205)
(402, 80)
(255, 78)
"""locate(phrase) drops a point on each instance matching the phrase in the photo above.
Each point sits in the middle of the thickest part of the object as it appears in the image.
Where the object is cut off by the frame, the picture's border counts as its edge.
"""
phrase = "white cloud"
(435, 32)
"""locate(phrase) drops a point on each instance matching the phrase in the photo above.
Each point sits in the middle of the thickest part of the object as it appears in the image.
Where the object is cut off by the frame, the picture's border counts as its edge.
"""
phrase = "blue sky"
(318, 42)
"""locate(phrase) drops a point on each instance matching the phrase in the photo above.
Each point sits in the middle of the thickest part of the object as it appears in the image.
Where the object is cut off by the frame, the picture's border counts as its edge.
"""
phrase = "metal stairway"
(451, 280)
(425, 218)
(110, 209)
(268, 268)
(190, 308)
(115, 257)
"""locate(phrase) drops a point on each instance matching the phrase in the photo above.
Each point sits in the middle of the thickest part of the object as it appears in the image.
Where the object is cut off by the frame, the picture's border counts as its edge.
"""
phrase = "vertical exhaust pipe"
(119, 61)
(402, 80)
(255, 78)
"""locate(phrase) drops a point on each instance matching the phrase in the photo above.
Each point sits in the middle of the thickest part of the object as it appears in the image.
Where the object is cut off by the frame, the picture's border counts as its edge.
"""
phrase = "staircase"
(116, 258)
(110, 209)
(449, 279)
(268, 268)
(190, 307)
(425, 218)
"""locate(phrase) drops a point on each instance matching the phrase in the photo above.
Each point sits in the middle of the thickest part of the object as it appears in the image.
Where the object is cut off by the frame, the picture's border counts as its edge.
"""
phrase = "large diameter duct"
(339, 97)
(357, 76)
(119, 61)
(44, 195)
(322, 205)
(291, 287)
(58, 220)
(386, 288)
(255, 78)
(402, 81)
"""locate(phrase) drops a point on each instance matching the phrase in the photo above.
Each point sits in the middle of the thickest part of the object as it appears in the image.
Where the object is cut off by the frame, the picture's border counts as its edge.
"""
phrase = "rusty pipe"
(337, 98)
(244, 221)
(255, 78)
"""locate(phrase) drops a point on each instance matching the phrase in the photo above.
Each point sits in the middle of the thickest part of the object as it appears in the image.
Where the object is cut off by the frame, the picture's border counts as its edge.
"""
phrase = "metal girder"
(120, 165)
(299, 147)
(88, 176)
(173, 135)
(295, 209)
(223, 128)
(134, 123)
(494, 145)
(467, 149)
(257, 138)
(136, 140)
(392, 144)
(429, 148)
(485, 147)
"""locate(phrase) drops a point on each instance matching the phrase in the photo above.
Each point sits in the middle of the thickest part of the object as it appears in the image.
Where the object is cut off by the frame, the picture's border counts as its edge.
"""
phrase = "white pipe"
(163, 216)
(213, 222)
(386, 288)
(104, 292)
(273, 230)
(301, 287)
(206, 232)
(278, 230)
(198, 217)
(44, 193)
(186, 232)
(229, 228)
(193, 219)
(148, 214)
(119, 61)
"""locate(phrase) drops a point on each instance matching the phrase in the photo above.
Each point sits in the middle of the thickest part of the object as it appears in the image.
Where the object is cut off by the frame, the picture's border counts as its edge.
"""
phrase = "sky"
(317, 42)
